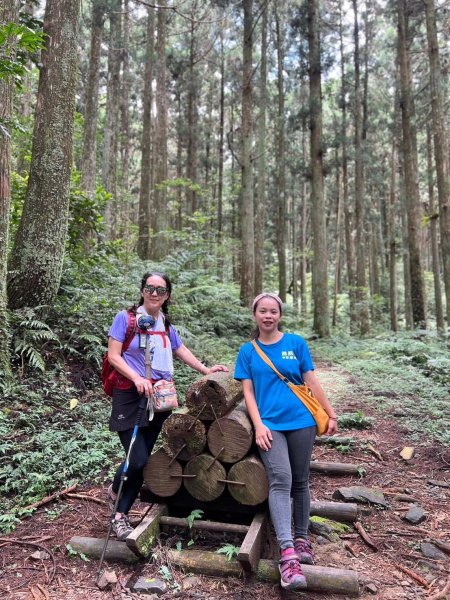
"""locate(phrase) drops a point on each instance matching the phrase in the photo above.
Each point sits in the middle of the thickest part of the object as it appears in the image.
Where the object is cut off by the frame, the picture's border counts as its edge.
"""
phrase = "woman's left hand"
(216, 368)
(332, 427)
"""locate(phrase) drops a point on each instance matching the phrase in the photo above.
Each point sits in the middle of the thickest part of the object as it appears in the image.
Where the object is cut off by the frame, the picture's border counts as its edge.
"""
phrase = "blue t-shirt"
(279, 408)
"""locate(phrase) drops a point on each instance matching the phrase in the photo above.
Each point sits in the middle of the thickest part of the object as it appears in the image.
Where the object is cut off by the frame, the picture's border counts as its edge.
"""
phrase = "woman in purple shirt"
(132, 384)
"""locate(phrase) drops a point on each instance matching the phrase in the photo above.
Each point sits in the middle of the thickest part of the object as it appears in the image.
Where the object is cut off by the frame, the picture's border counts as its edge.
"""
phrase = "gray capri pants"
(287, 467)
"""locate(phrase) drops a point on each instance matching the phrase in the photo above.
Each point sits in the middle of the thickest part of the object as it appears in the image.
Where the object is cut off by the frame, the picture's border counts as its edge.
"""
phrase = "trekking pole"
(123, 478)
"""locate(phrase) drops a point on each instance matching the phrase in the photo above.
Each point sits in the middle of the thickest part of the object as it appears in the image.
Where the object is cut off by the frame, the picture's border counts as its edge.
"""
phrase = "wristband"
(332, 418)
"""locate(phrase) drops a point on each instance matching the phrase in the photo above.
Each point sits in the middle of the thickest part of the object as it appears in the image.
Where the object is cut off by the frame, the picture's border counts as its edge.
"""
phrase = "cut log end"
(162, 474)
(207, 484)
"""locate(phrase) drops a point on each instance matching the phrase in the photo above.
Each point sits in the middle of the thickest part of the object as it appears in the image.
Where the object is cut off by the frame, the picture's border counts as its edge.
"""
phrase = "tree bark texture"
(280, 159)
(440, 145)
(37, 258)
(320, 273)
(362, 310)
(260, 199)
(247, 211)
(440, 323)
(410, 166)
(231, 436)
(89, 156)
(391, 236)
(143, 246)
(110, 138)
(213, 396)
(8, 14)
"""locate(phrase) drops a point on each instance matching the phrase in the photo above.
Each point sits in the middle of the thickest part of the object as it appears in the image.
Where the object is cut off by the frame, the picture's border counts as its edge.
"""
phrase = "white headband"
(266, 295)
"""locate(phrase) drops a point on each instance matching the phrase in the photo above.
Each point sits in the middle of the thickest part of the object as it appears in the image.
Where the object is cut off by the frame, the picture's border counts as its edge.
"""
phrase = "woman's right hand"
(263, 437)
(143, 386)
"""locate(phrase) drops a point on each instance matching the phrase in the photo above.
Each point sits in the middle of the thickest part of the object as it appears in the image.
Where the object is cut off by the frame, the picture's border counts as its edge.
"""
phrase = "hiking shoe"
(304, 550)
(122, 528)
(292, 577)
(111, 498)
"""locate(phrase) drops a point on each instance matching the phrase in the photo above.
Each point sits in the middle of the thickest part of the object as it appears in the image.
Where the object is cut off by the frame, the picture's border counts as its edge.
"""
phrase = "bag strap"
(131, 329)
(267, 360)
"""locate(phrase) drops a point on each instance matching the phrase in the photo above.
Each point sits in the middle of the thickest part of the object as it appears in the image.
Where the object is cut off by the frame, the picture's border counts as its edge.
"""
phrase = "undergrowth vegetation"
(404, 375)
(54, 415)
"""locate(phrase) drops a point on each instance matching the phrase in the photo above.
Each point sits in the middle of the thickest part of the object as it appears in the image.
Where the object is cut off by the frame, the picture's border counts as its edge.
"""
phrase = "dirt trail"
(397, 570)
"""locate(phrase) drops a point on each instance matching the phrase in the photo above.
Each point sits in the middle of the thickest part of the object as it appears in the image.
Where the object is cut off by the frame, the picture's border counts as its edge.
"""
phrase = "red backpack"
(109, 375)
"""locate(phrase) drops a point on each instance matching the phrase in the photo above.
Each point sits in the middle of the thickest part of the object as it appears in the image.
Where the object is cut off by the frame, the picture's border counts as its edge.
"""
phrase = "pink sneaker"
(292, 577)
(304, 550)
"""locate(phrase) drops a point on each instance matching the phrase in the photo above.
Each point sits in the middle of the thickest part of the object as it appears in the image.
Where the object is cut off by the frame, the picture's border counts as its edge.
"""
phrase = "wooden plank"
(250, 551)
(93, 548)
(146, 534)
(204, 525)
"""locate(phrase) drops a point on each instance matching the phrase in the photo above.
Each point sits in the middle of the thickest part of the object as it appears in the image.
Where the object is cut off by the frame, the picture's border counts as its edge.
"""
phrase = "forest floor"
(36, 565)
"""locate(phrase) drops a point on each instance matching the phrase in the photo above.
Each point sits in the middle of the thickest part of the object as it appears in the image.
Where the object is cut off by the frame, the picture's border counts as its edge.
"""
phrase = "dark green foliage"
(356, 420)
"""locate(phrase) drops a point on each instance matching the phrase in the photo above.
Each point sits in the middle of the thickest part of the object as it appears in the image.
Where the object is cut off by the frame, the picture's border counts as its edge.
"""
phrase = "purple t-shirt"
(135, 356)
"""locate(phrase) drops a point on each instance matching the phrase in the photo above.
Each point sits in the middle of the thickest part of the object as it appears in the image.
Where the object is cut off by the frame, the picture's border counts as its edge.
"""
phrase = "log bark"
(318, 579)
(93, 548)
(208, 483)
(162, 474)
(230, 437)
(213, 396)
(183, 436)
(334, 468)
(337, 511)
(252, 473)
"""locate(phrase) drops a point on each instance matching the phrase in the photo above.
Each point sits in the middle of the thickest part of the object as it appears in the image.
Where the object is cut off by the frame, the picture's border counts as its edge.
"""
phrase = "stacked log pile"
(208, 446)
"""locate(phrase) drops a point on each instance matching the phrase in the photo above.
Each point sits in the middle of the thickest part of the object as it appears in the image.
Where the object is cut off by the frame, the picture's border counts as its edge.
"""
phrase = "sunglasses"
(159, 289)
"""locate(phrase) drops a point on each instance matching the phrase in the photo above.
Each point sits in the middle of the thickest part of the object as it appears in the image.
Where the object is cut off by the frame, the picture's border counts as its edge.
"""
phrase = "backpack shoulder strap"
(131, 329)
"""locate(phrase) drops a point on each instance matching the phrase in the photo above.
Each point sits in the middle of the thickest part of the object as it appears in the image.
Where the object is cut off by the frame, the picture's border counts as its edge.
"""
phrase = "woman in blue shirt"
(284, 429)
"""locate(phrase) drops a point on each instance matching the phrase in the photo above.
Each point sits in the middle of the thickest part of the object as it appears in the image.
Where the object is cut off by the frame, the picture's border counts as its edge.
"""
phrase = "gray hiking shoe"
(122, 528)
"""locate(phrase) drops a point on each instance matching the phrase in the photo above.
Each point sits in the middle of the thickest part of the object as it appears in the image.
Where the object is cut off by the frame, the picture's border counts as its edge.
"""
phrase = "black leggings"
(142, 448)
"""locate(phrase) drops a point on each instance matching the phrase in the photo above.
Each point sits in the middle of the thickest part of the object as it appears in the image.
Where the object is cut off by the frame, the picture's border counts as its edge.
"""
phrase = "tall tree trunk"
(220, 261)
(37, 258)
(303, 228)
(362, 308)
(337, 260)
(192, 121)
(440, 324)
(440, 145)
(348, 212)
(143, 246)
(280, 159)
(411, 170)
(391, 237)
(8, 14)
(110, 140)
(125, 196)
(247, 212)
(260, 201)
(89, 155)
(159, 212)
(320, 272)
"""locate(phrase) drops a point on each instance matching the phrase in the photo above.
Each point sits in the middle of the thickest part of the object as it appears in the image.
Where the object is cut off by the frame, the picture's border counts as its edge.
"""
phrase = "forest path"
(396, 570)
